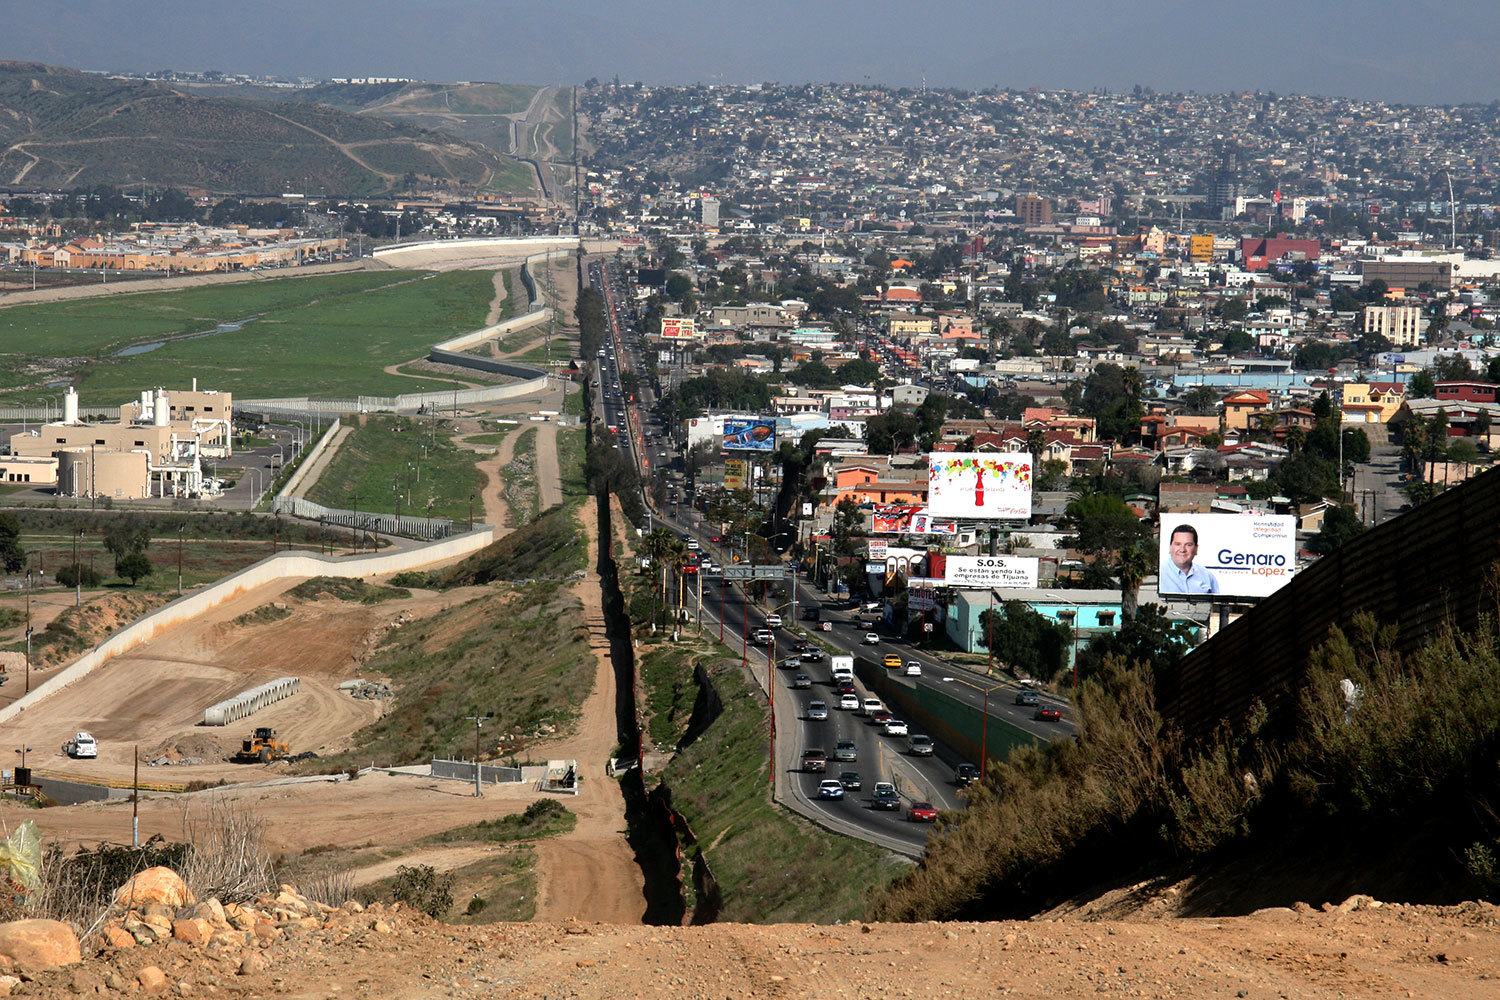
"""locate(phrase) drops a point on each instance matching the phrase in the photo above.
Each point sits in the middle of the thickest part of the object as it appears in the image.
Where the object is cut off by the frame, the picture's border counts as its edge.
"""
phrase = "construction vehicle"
(262, 747)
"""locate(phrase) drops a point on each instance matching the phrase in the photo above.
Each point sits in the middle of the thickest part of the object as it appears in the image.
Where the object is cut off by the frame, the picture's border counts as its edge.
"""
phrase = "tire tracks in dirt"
(590, 873)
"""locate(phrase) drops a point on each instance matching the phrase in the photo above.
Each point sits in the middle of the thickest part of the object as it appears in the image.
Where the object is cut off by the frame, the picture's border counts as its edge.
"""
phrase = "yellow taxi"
(892, 661)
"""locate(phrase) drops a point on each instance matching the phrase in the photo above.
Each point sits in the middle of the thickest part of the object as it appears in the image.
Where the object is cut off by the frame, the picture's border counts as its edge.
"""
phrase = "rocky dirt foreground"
(160, 942)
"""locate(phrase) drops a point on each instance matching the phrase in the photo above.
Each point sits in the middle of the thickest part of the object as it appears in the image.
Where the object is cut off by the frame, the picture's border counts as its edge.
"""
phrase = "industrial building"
(155, 448)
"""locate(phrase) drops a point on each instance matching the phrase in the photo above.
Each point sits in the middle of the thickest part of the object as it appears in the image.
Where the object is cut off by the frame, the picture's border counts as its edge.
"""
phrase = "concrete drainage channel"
(649, 824)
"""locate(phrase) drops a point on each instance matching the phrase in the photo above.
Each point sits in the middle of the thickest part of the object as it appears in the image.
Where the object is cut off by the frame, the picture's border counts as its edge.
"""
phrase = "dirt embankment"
(1392, 951)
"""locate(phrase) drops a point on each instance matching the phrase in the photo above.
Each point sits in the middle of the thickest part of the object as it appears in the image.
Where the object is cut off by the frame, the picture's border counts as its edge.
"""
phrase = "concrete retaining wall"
(943, 716)
(281, 566)
(308, 460)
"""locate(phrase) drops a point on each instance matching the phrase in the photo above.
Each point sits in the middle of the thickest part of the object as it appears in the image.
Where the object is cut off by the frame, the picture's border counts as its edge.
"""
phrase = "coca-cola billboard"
(979, 485)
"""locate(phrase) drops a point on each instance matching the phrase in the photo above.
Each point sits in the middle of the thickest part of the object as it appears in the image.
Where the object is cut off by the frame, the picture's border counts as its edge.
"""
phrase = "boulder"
(151, 979)
(193, 930)
(116, 936)
(159, 886)
(39, 944)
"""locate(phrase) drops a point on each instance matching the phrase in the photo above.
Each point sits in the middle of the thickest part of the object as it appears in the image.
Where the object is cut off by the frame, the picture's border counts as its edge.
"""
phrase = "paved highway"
(725, 608)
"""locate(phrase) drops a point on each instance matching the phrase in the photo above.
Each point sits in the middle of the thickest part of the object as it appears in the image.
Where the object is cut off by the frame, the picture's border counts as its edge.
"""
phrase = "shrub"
(423, 887)
(76, 575)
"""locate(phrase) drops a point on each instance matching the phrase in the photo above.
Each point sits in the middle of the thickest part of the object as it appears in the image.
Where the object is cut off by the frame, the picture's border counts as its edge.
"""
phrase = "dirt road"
(591, 874)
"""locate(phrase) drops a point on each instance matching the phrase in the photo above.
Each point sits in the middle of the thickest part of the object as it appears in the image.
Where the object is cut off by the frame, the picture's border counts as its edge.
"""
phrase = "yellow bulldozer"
(262, 747)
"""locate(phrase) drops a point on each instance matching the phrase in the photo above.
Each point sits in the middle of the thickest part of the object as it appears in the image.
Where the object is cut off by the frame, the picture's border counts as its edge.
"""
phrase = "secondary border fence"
(426, 528)
(43, 414)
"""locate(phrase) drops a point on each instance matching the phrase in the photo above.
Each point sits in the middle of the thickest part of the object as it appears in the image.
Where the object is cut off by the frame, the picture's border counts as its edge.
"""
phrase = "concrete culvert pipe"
(248, 702)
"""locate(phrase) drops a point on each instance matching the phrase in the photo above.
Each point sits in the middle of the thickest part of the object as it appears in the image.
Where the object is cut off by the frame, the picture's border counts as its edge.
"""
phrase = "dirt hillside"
(1390, 951)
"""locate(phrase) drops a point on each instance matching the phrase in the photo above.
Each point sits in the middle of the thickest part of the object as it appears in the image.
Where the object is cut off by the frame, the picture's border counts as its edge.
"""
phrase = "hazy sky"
(1396, 50)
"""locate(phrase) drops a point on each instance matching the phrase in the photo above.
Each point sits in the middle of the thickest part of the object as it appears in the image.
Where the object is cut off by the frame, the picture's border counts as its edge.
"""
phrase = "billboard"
(892, 519)
(749, 434)
(877, 548)
(1234, 555)
(922, 523)
(984, 572)
(735, 477)
(979, 484)
(677, 328)
(901, 519)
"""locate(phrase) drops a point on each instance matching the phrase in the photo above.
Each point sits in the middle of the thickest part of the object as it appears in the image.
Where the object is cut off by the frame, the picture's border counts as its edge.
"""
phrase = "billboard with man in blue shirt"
(1229, 555)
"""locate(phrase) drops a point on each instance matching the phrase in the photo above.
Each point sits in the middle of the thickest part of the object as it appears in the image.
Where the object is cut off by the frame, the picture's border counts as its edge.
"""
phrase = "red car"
(714, 539)
(881, 717)
(1048, 713)
(846, 687)
(922, 812)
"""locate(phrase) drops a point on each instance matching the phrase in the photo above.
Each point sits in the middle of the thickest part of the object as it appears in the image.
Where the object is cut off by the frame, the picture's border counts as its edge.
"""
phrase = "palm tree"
(1133, 564)
(658, 546)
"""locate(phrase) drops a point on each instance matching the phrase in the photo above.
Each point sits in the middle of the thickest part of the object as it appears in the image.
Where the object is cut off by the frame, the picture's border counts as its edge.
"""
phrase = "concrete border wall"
(282, 566)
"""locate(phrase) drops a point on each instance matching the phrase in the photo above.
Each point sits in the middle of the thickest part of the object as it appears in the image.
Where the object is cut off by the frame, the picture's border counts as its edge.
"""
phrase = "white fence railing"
(426, 528)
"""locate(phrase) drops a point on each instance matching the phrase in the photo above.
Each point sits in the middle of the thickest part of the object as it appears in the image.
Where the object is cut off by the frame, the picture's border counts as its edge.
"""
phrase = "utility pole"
(478, 721)
(135, 802)
(180, 528)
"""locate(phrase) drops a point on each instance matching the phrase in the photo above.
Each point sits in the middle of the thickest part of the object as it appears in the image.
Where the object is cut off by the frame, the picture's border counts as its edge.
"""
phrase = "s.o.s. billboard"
(749, 435)
(1230, 555)
(979, 484)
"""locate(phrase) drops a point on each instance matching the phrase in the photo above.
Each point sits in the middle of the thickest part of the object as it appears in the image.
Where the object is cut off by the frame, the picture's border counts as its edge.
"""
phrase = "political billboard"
(979, 485)
(1230, 555)
(677, 328)
(749, 434)
(984, 572)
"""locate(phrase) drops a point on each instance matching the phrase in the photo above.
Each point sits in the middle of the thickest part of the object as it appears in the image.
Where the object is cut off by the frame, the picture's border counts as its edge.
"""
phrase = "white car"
(871, 639)
(870, 706)
(849, 702)
(692, 545)
(895, 728)
(913, 668)
(773, 621)
(82, 746)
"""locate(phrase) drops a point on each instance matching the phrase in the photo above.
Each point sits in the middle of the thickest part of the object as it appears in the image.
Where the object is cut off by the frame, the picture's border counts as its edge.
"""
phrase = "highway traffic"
(723, 607)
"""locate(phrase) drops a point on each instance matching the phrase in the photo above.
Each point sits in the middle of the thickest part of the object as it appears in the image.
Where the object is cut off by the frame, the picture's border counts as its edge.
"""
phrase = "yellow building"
(1201, 249)
(1371, 402)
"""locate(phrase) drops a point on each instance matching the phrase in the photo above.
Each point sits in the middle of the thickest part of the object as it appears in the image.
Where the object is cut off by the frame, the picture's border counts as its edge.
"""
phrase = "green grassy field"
(391, 449)
(512, 175)
(327, 336)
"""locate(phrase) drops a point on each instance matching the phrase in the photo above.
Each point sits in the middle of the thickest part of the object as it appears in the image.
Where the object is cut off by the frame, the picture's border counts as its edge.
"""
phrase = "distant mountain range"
(61, 128)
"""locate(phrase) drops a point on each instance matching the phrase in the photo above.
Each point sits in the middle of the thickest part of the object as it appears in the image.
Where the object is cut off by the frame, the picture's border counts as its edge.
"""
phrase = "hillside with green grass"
(63, 128)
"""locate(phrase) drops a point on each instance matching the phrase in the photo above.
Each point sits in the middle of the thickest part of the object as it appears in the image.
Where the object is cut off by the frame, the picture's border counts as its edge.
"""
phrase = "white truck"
(81, 746)
(842, 667)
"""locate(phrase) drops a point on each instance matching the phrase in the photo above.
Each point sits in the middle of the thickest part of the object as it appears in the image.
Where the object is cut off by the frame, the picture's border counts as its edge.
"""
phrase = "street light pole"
(180, 528)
